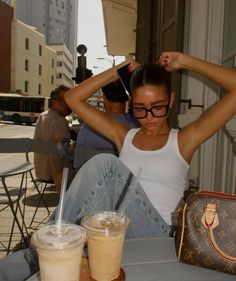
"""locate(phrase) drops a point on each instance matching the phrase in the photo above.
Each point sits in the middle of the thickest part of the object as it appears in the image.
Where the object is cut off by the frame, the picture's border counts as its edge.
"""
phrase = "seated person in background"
(52, 126)
(91, 142)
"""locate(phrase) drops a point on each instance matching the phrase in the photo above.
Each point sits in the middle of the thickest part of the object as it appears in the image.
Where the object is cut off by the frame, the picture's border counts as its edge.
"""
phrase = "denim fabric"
(99, 184)
(14, 267)
(105, 183)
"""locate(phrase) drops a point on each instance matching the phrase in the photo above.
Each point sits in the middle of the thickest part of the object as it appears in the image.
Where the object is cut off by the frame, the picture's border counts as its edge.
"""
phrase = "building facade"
(6, 17)
(33, 63)
(56, 19)
(50, 71)
(64, 65)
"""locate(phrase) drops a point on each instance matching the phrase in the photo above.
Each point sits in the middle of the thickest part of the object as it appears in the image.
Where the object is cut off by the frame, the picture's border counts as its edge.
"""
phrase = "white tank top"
(164, 172)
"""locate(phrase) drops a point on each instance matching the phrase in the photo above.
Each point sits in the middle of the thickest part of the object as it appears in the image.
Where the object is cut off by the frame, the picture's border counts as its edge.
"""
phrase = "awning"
(120, 25)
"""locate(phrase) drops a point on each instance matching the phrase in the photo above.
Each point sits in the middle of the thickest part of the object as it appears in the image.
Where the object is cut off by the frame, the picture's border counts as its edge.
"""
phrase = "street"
(10, 130)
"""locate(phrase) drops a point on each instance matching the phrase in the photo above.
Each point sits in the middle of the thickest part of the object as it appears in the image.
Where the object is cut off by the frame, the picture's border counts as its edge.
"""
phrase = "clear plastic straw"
(61, 200)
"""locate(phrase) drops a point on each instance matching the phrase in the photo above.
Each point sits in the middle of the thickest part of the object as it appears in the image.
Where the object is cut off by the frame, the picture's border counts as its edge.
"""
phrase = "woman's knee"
(103, 157)
(91, 171)
(101, 162)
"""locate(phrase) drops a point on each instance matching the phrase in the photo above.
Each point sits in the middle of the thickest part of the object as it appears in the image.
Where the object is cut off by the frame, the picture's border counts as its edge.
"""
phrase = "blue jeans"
(105, 183)
(100, 184)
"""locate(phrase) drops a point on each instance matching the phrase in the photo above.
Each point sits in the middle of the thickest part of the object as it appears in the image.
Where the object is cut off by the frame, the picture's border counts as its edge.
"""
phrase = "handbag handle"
(210, 221)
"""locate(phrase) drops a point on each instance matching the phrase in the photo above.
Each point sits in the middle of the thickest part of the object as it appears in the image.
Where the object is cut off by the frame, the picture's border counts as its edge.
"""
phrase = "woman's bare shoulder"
(186, 142)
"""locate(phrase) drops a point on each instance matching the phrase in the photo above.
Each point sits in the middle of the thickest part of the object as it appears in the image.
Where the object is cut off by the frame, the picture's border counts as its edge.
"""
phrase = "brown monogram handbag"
(206, 234)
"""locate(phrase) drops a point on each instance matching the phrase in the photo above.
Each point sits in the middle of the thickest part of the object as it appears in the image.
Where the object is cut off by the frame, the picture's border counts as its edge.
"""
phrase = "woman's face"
(156, 101)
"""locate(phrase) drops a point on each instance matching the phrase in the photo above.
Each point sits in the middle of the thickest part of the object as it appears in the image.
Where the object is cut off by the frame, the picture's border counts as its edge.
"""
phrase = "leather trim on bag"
(210, 221)
(182, 231)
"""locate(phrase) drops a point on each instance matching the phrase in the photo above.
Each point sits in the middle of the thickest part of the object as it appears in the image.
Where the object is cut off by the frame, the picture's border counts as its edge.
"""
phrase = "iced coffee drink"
(105, 236)
(59, 250)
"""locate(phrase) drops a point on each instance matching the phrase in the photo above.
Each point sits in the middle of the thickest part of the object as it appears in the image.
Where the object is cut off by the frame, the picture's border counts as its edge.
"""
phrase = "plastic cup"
(105, 235)
(59, 250)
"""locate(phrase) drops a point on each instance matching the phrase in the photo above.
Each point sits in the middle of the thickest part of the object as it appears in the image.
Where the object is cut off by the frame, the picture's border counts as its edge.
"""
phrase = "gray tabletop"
(155, 260)
(16, 167)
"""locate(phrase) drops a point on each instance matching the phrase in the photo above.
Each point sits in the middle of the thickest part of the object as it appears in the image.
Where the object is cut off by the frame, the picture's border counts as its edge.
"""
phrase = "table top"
(12, 168)
(155, 260)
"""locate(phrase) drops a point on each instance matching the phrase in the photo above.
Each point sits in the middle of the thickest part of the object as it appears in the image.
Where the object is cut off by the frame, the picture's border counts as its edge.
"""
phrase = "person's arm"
(195, 133)
(99, 121)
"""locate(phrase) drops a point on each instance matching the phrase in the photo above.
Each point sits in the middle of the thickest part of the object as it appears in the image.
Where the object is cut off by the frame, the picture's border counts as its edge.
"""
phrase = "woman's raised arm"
(76, 99)
(219, 114)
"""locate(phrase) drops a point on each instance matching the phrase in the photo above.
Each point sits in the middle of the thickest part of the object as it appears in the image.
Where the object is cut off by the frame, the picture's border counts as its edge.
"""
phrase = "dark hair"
(150, 74)
(115, 92)
(56, 93)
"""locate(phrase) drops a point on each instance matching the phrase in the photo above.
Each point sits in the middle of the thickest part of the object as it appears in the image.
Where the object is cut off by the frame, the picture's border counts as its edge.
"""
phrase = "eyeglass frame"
(166, 106)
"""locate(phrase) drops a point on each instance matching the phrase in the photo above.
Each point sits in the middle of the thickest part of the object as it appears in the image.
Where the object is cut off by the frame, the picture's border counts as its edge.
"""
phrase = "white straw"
(62, 193)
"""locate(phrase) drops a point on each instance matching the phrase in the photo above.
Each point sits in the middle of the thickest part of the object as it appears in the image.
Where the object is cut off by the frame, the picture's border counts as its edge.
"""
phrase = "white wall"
(204, 41)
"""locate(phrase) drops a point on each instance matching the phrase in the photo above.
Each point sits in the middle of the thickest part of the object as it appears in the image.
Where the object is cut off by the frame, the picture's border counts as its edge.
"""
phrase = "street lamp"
(82, 73)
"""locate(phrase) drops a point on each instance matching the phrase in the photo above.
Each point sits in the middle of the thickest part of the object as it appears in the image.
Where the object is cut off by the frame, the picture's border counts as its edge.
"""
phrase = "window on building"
(26, 65)
(40, 69)
(40, 50)
(59, 63)
(53, 63)
(52, 79)
(59, 75)
(26, 86)
(27, 43)
(40, 89)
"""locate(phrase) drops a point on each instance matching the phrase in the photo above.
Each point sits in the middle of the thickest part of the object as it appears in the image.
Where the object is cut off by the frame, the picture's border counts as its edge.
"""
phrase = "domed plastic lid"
(108, 222)
(59, 236)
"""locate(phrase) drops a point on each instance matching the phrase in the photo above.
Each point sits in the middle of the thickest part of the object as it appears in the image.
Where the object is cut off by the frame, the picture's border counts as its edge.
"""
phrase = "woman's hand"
(170, 60)
(132, 64)
(123, 63)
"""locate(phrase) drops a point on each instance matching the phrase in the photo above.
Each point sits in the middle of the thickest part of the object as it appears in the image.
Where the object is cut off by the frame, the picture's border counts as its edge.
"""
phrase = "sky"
(91, 33)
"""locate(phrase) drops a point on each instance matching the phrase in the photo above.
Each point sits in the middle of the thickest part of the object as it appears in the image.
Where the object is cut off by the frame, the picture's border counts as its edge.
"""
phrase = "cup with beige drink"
(59, 248)
(105, 235)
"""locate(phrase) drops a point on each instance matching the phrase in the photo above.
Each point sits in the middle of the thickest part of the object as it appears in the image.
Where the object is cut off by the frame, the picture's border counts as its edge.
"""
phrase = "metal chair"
(12, 168)
(48, 147)
(22, 167)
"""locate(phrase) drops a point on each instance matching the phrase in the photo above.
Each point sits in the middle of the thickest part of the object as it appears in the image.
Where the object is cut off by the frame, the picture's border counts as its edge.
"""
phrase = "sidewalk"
(28, 201)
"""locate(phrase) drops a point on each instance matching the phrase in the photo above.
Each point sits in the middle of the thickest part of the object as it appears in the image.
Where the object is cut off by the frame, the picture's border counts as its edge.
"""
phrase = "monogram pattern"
(192, 240)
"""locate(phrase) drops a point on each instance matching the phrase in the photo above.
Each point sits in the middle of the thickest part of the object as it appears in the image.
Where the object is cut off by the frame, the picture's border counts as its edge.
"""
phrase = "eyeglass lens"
(156, 111)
